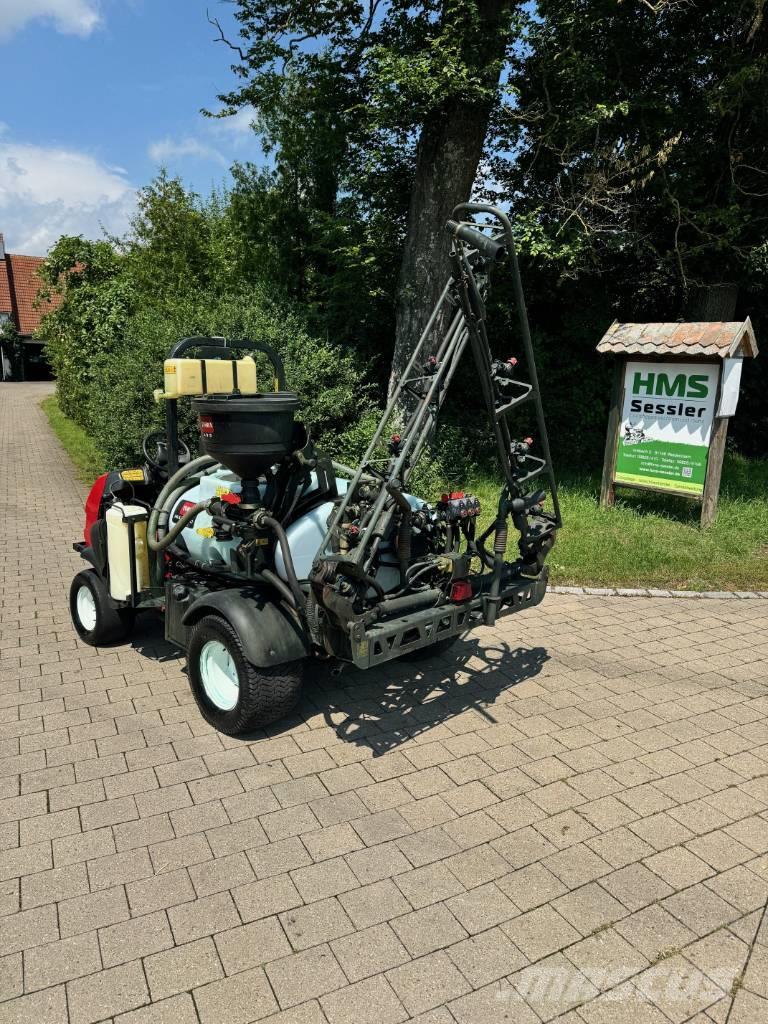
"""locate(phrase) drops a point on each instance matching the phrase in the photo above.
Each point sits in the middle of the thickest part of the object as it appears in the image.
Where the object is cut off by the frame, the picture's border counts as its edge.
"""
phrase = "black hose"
(279, 586)
(290, 571)
(222, 569)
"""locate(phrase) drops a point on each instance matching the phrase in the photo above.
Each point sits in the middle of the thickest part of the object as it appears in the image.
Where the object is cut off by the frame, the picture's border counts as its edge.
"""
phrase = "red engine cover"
(93, 504)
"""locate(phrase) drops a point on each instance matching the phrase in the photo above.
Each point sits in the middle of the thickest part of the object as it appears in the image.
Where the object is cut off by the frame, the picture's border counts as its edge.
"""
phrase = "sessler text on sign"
(666, 425)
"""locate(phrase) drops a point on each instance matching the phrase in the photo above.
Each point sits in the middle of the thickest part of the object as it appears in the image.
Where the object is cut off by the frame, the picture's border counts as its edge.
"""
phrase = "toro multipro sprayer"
(262, 553)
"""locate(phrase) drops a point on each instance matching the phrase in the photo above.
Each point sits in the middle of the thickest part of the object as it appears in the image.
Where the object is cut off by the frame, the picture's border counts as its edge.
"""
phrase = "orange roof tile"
(6, 306)
(24, 285)
(694, 339)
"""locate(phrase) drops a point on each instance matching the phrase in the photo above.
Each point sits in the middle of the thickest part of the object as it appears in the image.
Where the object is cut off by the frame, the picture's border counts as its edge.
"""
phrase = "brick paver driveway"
(567, 817)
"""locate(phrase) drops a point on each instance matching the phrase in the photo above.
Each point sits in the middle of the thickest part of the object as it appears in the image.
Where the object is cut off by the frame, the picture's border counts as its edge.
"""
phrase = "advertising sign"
(666, 425)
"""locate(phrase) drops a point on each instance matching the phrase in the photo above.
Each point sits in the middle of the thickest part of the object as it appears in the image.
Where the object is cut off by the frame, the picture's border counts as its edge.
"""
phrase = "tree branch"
(221, 38)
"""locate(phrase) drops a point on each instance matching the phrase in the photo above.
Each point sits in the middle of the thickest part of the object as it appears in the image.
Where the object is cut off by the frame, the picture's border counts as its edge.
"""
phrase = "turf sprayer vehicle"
(262, 554)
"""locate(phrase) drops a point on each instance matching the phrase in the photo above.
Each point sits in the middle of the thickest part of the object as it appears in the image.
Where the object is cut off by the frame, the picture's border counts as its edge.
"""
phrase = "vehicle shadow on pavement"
(149, 640)
(385, 707)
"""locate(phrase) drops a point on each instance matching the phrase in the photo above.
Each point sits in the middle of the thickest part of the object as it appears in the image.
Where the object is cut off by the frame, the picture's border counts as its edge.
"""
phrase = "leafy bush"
(121, 409)
(126, 302)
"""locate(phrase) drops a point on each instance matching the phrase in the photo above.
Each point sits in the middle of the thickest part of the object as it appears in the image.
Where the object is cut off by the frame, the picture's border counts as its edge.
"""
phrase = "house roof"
(19, 286)
(6, 306)
(720, 339)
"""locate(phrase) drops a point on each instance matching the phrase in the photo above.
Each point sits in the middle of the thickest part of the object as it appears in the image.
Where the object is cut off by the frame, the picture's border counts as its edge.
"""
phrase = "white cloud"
(72, 17)
(166, 150)
(237, 124)
(46, 192)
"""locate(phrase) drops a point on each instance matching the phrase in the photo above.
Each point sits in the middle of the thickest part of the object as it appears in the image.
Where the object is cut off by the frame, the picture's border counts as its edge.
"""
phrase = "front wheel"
(95, 618)
(233, 695)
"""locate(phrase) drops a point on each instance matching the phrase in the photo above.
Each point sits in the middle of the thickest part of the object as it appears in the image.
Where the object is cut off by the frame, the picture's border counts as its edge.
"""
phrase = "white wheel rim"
(86, 609)
(218, 675)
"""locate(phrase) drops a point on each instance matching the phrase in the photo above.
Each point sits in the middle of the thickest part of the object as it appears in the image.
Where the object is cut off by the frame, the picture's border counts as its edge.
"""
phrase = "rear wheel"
(233, 695)
(96, 620)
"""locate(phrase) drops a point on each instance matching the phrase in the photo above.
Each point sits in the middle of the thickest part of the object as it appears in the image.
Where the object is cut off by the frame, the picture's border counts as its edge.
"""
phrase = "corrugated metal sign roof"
(673, 339)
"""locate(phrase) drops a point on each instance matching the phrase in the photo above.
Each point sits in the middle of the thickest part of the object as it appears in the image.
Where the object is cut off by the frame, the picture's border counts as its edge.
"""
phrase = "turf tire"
(266, 694)
(111, 625)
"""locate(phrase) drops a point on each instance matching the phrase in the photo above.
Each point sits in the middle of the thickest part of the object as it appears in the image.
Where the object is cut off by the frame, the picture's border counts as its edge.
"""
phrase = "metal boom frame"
(466, 326)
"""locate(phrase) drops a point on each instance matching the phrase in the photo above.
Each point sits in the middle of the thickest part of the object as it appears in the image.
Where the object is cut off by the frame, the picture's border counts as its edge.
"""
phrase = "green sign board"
(666, 425)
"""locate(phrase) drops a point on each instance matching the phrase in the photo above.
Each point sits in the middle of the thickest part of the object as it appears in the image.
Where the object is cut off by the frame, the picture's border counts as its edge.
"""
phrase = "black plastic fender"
(269, 633)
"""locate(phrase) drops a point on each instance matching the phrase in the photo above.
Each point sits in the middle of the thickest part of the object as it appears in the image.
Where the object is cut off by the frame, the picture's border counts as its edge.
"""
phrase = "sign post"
(675, 385)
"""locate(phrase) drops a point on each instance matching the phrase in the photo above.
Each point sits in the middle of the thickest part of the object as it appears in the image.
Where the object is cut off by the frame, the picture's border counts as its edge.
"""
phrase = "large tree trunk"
(447, 157)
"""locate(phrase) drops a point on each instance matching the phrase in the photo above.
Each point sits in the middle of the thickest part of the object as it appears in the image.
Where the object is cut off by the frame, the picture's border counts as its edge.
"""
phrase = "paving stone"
(374, 903)
(182, 968)
(383, 861)
(241, 999)
(486, 957)
(333, 841)
(53, 886)
(49, 1005)
(61, 961)
(496, 1002)
(606, 958)
(204, 916)
(678, 867)
(318, 922)
(352, 1004)
(589, 907)
(482, 908)
(251, 945)
(370, 951)
(119, 869)
(136, 938)
(740, 887)
(176, 1010)
(92, 911)
(306, 975)
(678, 988)
(427, 982)
(267, 897)
(109, 992)
(540, 932)
(531, 886)
(305, 1013)
(12, 976)
(700, 909)
(278, 857)
(160, 892)
(654, 932)
(635, 886)
(222, 873)
(477, 865)
(424, 931)
(429, 884)
(328, 878)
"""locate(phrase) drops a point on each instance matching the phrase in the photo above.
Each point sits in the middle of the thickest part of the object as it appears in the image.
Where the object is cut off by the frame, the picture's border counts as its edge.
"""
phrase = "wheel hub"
(218, 675)
(86, 609)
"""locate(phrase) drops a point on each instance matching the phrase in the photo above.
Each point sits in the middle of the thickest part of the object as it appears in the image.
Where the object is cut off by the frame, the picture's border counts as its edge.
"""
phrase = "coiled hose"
(155, 530)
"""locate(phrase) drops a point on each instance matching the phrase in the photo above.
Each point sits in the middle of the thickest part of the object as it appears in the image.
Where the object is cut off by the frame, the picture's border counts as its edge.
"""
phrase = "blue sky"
(98, 94)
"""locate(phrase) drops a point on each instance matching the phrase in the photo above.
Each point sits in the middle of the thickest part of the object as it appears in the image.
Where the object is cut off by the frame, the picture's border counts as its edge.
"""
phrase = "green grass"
(656, 541)
(77, 444)
(643, 541)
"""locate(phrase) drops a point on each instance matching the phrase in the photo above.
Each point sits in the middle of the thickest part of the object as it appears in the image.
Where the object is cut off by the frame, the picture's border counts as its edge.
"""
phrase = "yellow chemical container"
(209, 377)
(118, 550)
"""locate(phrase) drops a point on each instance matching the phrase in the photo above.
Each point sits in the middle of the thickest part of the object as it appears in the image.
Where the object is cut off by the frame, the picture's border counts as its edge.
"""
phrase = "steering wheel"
(159, 438)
